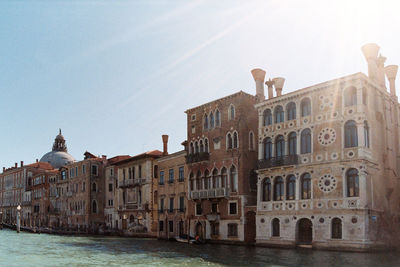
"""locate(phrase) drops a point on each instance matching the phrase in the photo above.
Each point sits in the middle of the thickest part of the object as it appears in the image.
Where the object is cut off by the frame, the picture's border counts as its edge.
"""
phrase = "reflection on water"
(46, 250)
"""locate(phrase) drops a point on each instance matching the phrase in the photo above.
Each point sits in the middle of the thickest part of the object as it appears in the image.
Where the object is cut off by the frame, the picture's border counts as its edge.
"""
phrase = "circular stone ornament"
(327, 136)
(327, 183)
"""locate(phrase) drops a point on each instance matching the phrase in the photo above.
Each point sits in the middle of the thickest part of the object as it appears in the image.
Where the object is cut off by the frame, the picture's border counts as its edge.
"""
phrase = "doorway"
(304, 231)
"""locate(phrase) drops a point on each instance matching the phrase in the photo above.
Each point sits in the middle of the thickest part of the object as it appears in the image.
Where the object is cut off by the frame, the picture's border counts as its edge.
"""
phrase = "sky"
(116, 75)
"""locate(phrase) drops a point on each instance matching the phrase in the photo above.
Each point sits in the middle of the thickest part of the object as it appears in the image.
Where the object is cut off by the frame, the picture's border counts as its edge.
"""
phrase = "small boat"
(185, 239)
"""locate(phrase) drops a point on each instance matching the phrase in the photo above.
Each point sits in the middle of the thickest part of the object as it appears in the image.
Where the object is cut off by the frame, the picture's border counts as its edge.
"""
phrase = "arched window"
(279, 146)
(305, 141)
(191, 150)
(305, 107)
(211, 120)
(196, 147)
(217, 118)
(223, 177)
(267, 148)
(94, 206)
(206, 145)
(229, 141)
(279, 114)
(275, 227)
(191, 180)
(199, 185)
(235, 140)
(251, 141)
(366, 134)
(233, 179)
(336, 228)
(94, 187)
(292, 143)
(215, 183)
(231, 112)
(267, 117)
(305, 186)
(291, 187)
(350, 96)
(206, 179)
(278, 189)
(266, 190)
(291, 111)
(352, 183)
(131, 218)
(350, 134)
(205, 121)
(201, 146)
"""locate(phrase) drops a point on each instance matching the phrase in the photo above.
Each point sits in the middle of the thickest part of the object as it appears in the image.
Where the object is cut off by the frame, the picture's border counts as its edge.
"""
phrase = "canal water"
(27, 249)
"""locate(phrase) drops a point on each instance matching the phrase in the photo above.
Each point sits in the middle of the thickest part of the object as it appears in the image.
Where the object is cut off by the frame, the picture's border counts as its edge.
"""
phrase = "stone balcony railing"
(197, 157)
(209, 193)
(132, 182)
(278, 161)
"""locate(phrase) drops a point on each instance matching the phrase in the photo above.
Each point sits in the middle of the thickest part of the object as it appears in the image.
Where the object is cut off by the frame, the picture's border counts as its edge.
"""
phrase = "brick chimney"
(259, 76)
(391, 72)
(16, 165)
(278, 83)
(37, 160)
(22, 163)
(165, 144)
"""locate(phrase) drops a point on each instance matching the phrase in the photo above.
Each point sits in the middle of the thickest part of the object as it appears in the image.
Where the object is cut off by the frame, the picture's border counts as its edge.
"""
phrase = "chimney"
(370, 52)
(381, 71)
(4, 169)
(37, 160)
(270, 83)
(278, 82)
(22, 163)
(259, 76)
(391, 72)
(16, 165)
(104, 157)
(165, 144)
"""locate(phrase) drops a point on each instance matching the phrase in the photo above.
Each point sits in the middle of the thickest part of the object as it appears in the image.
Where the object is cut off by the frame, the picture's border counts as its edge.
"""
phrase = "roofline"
(169, 156)
(137, 157)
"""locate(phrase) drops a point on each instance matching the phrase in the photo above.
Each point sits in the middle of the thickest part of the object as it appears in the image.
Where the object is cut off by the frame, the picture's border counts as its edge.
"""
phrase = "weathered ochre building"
(329, 160)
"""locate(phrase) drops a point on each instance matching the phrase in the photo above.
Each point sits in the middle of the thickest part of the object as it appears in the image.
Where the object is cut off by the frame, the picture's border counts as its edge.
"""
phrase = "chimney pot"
(16, 165)
(22, 163)
(165, 144)
(4, 169)
(270, 83)
(278, 82)
(370, 52)
(37, 160)
(391, 73)
(259, 76)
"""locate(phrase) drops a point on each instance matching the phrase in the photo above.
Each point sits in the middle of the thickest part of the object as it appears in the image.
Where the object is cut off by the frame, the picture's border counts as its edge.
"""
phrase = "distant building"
(59, 156)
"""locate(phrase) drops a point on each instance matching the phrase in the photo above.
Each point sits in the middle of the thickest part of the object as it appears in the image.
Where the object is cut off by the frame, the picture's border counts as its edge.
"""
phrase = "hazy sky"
(115, 75)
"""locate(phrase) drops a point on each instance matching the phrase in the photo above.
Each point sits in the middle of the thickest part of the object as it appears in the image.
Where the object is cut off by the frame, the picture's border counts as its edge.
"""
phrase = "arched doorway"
(304, 231)
(199, 230)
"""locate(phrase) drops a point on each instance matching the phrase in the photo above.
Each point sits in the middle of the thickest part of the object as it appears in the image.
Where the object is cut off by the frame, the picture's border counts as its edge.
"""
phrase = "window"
(84, 169)
(223, 177)
(278, 189)
(140, 171)
(229, 141)
(231, 112)
(63, 175)
(305, 107)
(130, 173)
(292, 143)
(199, 210)
(205, 122)
(350, 134)
(94, 206)
(267, 117)
(350, 97)
(76, 171)
(110, 187)
(232, 230)
(201, 146)
(181, 174)
(352, 183)
(279, 146)
(199, 185)
(217, 118)
(251, 141)
(161, 177)
(306, 186)
(94, 187)
(171, 226)
(161, 205)
(366, 134)
(191, 181)
(214, 208)
(83, 187)
(206, 179)
(336, 228)
(171, 176)
(215, 182)
(171, 204)
(305, 141)
(279, 114)
(291, 187)
(161, 226)
(94, 170)
(267, 148)
(211, 120)
(235, 140)
(196, 147)
(214, 228)
(181, 203)
(291, 111)
(275, 227)
(233, 179)
(266, 190)
(232, 208)
(206, 145)
(156, 167)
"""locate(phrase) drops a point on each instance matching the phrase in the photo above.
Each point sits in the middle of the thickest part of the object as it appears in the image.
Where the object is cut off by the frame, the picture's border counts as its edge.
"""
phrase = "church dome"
(59, 156)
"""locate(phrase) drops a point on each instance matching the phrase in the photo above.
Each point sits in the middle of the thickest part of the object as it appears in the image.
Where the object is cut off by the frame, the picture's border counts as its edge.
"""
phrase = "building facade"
(328, 159)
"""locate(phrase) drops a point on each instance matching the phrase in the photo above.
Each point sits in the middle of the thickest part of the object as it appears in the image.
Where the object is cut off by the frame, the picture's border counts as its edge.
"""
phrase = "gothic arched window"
(275, 227)
(366, 134)
(211, 120)
(292, 143)
(233, 179)
(279, 146)
(251, 141)
(278, 189)
(205, 121)
(223, 177)
(352, 183)
(206, 145)
(217, 118)
(291, 111)
(267, 117)
(231, 112)
(267, 148)
(215, 183)
(291, 187)
(305, 141)
(94, 206)
(336, 228)
(305, 107)
(305, 186)
(279, 114)
(235, 140)
(350, 134)
(201, 146)
(229, 141)
(266, 196)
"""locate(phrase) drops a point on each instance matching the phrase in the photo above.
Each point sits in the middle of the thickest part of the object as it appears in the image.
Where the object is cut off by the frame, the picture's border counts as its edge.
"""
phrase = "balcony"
(278, 161)
(209, 193)
(202, 156)
(132, 182)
